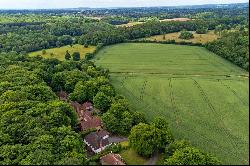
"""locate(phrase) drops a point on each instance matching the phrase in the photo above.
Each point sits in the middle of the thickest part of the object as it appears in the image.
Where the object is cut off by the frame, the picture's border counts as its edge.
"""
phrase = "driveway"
(117, 139)
(153, 159)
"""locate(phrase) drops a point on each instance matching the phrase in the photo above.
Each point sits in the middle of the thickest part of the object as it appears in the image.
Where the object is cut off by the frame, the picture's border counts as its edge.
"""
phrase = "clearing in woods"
(60, 52)
(203, 97)
(130, 24)
(198, 38)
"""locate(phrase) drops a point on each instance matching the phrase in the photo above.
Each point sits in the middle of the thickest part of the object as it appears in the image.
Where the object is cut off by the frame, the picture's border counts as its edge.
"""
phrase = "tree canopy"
(153, 137)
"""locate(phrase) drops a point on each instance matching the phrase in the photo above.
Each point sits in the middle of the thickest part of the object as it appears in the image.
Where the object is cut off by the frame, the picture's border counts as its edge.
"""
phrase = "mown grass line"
(235, 93)
(213, 109)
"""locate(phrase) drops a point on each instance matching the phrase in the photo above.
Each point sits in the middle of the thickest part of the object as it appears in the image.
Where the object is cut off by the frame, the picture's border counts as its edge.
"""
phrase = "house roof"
(112, 159)
(90, 123)
(87, 104)
(87, 115)
(77, 106)
(103, 133)
(95, 139)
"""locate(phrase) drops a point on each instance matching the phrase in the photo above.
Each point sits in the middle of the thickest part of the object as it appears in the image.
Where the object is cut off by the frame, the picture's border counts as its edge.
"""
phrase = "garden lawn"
(132, 158)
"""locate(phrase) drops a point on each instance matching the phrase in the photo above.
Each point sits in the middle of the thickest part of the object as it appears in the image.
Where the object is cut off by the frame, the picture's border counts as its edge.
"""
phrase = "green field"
(203, 97)
(59, 53)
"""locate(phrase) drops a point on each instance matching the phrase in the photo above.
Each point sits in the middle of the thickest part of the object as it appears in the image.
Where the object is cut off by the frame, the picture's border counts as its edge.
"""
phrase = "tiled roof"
(87, 104)
(90, 123)
(77, 106)
(103, 133)
(112, 159)
(95, 139)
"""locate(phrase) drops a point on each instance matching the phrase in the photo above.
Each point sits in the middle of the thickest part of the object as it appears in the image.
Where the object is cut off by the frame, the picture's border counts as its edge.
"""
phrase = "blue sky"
(42, 4)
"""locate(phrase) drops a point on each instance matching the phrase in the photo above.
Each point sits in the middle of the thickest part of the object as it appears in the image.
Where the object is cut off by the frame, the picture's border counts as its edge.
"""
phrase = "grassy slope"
(190, 87)
(59, 53)
(198, 38)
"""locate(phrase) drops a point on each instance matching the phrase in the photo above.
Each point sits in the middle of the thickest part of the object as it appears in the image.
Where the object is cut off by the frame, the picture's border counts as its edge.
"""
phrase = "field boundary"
(174, 107)
(143, 89)
(191, 75)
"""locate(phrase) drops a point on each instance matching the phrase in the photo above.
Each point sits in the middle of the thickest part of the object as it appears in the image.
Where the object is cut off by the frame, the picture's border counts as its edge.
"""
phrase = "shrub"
(201, 30)
(186, 35)
(43, 52)
(76, 56)
(86, 45)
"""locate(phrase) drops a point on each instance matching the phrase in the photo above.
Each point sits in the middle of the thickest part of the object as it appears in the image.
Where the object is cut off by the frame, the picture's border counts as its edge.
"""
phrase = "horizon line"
(121, 7)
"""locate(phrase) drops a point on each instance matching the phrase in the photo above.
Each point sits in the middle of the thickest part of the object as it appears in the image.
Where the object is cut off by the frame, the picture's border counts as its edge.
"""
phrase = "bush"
(201, 30)
(186, 35)
(124, 145)
(191, 156)
(43, 52)
(67, 55)
(95, 158)
(86, 45)
(89, 56)
(76, 56)
(115, 148)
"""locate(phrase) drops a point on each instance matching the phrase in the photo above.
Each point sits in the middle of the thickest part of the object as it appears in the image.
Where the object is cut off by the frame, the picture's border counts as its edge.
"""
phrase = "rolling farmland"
(203, 97)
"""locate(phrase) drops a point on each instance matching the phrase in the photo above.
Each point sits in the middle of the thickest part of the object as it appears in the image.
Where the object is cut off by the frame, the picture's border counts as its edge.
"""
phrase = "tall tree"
(76, 56)
(67, 55)
(149, 139)
(191, 156)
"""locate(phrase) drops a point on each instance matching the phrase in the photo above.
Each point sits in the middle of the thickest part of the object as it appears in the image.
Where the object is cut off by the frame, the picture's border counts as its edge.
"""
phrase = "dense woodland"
(233, 46)
(33, 120)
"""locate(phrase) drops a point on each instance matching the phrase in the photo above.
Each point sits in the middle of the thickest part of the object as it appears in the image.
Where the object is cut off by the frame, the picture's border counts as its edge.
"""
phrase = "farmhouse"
(97, 141)
(112, 159)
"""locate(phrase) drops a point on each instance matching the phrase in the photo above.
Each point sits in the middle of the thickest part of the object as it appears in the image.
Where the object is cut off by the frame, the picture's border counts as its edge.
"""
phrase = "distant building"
(112, 159)
(98, 140)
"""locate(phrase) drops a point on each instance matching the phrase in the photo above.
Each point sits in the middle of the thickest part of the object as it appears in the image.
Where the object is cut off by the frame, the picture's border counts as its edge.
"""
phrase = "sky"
(46, 4)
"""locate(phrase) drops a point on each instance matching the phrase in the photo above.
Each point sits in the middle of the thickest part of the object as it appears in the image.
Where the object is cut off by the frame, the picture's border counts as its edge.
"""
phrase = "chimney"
(101, 144)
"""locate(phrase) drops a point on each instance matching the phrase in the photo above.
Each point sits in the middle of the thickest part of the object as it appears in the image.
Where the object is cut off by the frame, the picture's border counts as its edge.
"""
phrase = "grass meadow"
(59, 52)
(203, 97)
(198, 38)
